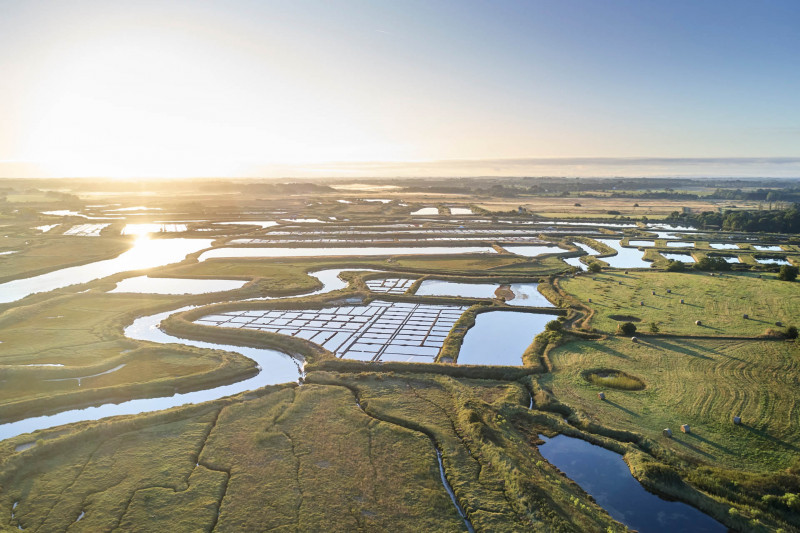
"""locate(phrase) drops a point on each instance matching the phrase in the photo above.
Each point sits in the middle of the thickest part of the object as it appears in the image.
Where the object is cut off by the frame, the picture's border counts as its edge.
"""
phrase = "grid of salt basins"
(379, 331)
(389, 285)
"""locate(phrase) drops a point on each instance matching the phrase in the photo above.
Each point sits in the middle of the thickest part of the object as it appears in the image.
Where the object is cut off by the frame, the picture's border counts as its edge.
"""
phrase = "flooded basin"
(528, 294)
(684, 258)
(641, 243)
(354, 251)
(533, 251)
(144, 254)
(500, 337)
(604, 475)
(625, 258)
(767, 248)
(772, 261)
(723, 246)
(435, 287)
(680, 244)
(148, 285)
(389, 285)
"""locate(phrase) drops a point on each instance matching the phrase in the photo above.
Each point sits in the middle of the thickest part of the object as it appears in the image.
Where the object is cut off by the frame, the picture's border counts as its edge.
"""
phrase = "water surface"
(625, 258)
(346, 251)
(604, 475)
(148, 285)
(144, 254)
(436, 287)
(500, 337)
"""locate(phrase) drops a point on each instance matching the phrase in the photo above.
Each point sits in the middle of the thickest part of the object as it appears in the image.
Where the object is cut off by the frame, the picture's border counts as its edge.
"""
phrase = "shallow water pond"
(437, 287)
(347, 251)
(533, 251)
(684, 258)
(604, 475)
(500, 337)
(148, 285)
(625, 258)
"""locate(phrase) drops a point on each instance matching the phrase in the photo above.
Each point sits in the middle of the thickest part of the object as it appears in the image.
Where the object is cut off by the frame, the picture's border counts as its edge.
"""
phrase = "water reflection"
(144, 254)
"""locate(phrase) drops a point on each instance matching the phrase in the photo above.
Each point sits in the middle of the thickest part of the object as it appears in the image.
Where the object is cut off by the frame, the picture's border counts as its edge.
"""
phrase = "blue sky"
(300, 87)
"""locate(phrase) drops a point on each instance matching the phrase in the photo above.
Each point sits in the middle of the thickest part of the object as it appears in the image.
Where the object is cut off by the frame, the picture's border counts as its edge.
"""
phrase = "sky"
(393, 88)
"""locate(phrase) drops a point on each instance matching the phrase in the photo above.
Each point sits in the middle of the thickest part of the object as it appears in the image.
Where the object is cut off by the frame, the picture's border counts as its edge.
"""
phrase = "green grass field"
(719, 302)
(703, 383)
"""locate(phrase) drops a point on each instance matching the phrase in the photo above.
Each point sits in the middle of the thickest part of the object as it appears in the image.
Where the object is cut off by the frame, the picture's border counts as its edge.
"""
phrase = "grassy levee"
(246, 463)
(164, 373)
(485, 439)
(349, 366)
(84, 333)
(719, 302)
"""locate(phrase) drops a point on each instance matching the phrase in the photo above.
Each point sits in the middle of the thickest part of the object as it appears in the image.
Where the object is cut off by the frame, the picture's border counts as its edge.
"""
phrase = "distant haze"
(408, 88)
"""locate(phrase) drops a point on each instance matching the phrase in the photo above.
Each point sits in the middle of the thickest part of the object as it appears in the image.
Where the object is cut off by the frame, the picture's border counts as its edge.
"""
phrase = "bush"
(712, 263)
(595, 267)
(788, 273)
(654, 327)
(627, 328)
(676, 266)
(554, 325)
(791, 332)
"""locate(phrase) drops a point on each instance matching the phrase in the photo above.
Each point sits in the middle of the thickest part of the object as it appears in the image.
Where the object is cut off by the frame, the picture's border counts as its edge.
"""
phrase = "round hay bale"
(634, 339)
(601, 395)
(745, 316)
(737, 420)
(779, 324)
(698, 323)
(681, 300)
(669, 291)
(685, 428)
(653, 293)
(641, 303)
(667, 433)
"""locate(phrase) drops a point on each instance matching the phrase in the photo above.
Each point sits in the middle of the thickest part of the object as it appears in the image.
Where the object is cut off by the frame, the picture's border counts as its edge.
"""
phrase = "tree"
(595, 267)
(627, 328)
(788, 273)
(653, 327)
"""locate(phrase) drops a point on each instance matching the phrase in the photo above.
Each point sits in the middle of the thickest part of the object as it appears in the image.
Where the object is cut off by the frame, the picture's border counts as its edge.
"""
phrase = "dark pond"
(603, 474)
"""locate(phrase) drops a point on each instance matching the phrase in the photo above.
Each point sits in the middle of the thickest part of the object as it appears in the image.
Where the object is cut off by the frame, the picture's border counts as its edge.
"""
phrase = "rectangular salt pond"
(723, 246)
(435, 287)
(261, 223)
(767, 248)
(389, 285)
(379, 331)
(426, 211)
(684, 258)
(533, 251)
(680, 244)
(354, 251)
(461, 211)
(772, 261)
(500, 337)
(641, 243)
(148, 285)
(525, 294)
(574, 261)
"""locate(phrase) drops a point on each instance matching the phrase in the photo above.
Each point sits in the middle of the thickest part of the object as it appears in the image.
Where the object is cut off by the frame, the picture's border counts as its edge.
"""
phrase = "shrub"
(627, 329)
(676, 266)
(654, 327)
(791, 332)
(712, 263)
(554, 325)
(595, 267)
(788, 273)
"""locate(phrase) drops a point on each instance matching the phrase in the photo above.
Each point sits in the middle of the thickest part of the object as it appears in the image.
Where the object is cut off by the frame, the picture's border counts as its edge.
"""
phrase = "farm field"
(718, 302)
